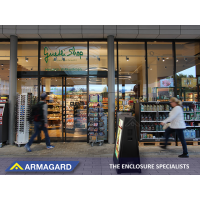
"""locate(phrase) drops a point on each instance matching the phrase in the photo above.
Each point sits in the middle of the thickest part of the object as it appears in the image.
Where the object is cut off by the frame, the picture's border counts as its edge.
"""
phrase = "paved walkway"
(96, 160)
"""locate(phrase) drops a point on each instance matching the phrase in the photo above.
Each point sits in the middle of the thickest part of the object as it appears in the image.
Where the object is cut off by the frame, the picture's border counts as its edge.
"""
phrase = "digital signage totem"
(126, 151)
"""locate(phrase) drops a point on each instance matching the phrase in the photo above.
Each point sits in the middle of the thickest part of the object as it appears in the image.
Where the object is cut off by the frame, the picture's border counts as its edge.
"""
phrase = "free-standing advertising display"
(126, 152)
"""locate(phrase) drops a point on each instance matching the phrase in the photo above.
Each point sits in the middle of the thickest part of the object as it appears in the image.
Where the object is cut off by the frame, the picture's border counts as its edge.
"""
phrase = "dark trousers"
(180, 135)
(38, 126)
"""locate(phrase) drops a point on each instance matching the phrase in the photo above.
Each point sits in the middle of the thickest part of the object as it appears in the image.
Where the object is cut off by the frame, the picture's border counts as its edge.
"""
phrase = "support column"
(111, 89)
(12, 87)
(48, 85)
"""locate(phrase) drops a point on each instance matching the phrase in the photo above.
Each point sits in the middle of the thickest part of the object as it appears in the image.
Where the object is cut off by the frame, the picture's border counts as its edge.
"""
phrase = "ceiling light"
(163, 59)
(165, 67)
(26, 59)
(150, 68)
(127, 59)
(40, 58)
(177, 60)
(158, 58)
(185, 59)
(2, 65)
(120, 69)
(167, 58)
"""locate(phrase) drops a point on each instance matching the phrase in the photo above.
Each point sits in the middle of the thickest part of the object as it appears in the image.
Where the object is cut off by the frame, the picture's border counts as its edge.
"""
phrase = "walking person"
(177, 124)
(40, 122)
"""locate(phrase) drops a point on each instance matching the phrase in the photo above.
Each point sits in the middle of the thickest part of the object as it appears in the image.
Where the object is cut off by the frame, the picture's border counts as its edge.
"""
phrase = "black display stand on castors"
(126, 152)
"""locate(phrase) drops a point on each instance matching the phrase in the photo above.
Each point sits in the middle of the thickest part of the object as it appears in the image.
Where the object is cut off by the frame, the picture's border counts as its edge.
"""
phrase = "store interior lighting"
(177, 60)
(185, 59)
(163, 59)
(158, 58)
(165, 67)
(127, 59)
(26, 59)
(2, 65)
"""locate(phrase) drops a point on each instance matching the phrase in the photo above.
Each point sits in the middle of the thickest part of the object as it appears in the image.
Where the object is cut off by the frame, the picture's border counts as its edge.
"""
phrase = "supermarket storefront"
(75, 74)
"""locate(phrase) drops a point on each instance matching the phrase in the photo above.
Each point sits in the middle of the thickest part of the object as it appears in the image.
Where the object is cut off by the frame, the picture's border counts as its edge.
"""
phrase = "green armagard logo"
(61, 53)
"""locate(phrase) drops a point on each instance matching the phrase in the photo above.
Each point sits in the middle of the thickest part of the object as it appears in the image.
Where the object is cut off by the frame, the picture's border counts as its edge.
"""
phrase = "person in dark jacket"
(38, 126)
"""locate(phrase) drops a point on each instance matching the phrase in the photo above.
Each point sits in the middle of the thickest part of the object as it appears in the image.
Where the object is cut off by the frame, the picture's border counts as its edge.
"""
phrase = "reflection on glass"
(27, 56)
(76, 109)
(67, 57)
(5, 67)
(187, 68)
(98, 107)
(98, 57)
(160, 71)
(132, 82)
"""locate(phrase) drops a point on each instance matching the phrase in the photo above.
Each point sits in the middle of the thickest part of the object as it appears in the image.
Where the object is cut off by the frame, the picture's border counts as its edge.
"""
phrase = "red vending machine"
(3, 121)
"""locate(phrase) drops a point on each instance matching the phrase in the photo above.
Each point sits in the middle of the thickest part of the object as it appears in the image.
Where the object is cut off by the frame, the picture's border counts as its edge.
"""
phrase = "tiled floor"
(96, 160)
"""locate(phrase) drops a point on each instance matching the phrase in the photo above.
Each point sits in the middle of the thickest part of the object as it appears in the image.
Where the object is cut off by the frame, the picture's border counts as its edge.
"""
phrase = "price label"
(195, 139)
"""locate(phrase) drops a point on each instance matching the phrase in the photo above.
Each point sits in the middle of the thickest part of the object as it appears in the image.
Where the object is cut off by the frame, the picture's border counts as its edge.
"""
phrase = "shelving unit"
(148, 116)
(54, 112)
(191, 117)
(97, 116)
(191, 112)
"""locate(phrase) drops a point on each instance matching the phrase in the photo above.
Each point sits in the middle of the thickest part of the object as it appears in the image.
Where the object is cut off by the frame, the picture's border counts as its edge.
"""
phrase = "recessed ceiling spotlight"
(185, 59)
(158, 58)
(176, 60)
(165, 67)
(167, 58)
(26, 59)
(2, 65)
(40, 58)
(127, 59)
(120, 69)
(163, 59)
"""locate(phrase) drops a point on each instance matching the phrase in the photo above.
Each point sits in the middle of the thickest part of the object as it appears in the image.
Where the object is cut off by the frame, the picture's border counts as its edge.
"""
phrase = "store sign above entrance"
(61, 53)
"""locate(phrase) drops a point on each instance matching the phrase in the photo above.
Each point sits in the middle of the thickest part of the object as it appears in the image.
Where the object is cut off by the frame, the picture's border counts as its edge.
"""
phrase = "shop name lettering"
(61, 53)
(63, 69)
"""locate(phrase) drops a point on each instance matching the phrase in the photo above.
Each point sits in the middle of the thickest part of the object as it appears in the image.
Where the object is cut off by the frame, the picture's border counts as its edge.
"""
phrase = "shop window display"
(132, 82)
(160, 71)
(4, 68)
(187, 68)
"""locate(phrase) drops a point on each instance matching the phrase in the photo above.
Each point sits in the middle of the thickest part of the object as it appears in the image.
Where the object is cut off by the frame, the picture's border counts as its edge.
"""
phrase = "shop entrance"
(75, 109)
(67, 108)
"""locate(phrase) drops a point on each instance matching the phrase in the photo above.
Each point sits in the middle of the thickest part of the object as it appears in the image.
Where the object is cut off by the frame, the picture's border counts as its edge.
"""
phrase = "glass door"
(53, 88)
(75, 108)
